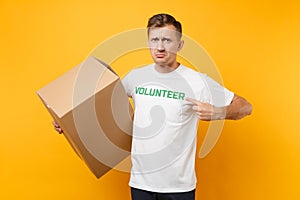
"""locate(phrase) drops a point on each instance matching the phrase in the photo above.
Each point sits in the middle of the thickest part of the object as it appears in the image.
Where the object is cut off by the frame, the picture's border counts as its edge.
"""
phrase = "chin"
(161, 63)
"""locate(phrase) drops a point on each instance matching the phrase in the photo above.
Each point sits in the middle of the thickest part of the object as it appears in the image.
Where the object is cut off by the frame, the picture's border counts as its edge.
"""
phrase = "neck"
(166, 68)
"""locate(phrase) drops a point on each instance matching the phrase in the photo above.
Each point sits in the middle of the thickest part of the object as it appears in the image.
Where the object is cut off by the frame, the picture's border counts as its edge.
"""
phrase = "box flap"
(77, 85)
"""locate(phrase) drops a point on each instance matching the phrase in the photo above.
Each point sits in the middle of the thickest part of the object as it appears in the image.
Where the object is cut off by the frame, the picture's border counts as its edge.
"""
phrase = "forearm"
(238, 108)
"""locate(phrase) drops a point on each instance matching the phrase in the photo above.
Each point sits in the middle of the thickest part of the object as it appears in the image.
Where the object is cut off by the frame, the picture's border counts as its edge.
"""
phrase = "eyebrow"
(169, 38)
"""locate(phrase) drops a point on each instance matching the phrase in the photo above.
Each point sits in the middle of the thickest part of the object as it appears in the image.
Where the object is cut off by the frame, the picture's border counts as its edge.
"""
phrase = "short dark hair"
(161, 20)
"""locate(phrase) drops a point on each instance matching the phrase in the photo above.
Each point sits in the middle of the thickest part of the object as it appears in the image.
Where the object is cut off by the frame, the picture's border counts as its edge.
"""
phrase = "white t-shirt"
(165, 126)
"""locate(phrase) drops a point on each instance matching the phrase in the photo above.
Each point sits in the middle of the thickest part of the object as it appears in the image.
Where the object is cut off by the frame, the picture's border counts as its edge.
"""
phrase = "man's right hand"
(57, 127)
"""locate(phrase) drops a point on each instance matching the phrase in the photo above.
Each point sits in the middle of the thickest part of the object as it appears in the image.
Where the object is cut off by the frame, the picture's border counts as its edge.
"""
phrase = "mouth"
(160, 55)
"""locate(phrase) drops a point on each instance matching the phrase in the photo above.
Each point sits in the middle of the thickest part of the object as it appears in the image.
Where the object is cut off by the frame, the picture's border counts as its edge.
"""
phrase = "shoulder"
(192, 74)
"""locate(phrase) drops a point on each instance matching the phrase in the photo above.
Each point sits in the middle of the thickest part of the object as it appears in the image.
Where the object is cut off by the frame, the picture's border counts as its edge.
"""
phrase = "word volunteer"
(160, 93)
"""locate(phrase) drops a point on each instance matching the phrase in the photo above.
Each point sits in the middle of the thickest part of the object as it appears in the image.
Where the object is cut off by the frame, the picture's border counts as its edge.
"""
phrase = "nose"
(160, 46)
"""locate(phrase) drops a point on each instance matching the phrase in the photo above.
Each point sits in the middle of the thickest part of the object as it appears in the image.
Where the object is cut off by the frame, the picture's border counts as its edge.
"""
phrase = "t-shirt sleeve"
(214, 93)
(126, 82)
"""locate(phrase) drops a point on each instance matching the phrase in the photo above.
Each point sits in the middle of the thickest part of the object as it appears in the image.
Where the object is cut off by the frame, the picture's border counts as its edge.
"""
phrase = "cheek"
(152, 51)
(172, 49)
(151, 47)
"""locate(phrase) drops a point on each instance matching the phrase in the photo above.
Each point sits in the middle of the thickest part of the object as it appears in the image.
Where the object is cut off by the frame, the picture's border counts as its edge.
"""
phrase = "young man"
(169, 98)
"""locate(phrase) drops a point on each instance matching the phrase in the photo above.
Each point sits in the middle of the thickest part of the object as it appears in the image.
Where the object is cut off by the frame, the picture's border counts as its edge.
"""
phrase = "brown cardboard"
(90, 105)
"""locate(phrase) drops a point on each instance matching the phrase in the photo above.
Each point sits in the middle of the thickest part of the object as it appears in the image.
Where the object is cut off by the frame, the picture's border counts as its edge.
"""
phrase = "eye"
(154, 40)
(167, 40)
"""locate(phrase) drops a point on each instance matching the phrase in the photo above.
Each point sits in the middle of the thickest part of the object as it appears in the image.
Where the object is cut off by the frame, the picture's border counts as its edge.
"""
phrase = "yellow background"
(255, 45)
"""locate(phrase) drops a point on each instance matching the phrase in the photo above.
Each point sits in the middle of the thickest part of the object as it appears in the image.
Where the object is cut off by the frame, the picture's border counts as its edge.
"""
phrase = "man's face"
(164, 43)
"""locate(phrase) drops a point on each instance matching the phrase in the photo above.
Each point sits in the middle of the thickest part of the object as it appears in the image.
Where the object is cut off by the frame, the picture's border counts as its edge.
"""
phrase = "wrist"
(220, 113)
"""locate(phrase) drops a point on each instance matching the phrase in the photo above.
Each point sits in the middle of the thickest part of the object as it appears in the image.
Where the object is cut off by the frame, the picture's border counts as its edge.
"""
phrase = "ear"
(180, 45)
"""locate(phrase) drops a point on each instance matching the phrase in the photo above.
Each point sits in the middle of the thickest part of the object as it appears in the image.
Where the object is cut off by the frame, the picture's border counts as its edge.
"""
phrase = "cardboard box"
(90, 105)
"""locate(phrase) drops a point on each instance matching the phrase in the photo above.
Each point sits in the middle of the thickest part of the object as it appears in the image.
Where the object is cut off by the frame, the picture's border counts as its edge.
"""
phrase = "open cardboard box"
(90, 104)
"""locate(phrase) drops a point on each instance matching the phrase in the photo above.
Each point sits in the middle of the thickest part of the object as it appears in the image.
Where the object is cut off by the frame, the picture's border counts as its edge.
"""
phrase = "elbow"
(244, 111)
(246, 107)
(249, 109)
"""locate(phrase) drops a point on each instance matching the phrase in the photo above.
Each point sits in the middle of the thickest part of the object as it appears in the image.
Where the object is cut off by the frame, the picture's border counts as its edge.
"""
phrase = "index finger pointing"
(194, 101)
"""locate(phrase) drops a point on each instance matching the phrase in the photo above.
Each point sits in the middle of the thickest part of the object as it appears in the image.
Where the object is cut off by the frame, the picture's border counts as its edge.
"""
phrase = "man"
(164, 95)
(169, 98)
